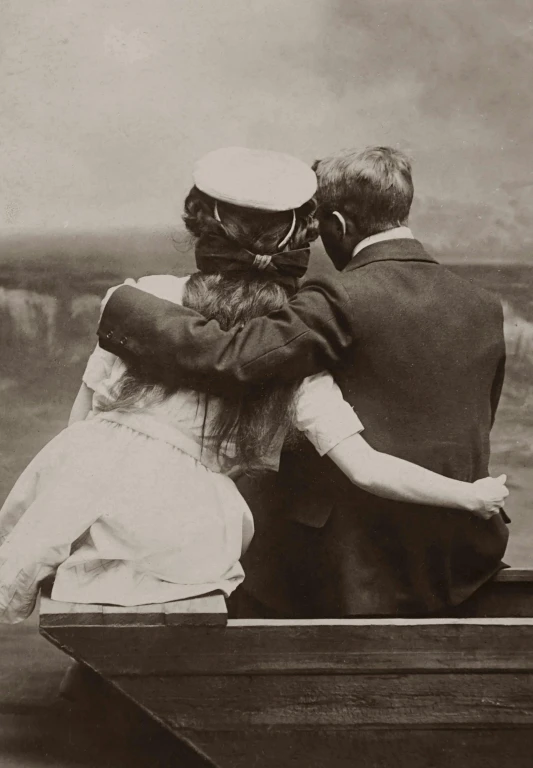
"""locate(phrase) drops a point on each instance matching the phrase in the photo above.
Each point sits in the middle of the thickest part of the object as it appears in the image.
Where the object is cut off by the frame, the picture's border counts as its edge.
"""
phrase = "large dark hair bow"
(215, 253)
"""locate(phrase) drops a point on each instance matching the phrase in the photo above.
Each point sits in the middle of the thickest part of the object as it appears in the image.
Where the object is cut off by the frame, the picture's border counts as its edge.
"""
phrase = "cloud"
(102, 113)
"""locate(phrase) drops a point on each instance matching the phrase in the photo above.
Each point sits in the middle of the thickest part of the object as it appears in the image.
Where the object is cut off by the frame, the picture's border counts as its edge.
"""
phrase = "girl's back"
(134, 504)
(142, 486)
(153, 514)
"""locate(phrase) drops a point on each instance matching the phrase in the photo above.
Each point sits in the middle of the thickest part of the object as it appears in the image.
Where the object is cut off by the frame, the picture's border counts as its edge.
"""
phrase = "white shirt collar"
(398, 233)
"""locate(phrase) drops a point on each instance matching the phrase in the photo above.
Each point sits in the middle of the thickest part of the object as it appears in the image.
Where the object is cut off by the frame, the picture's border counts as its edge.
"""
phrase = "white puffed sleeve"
(167, 287)
(323, 414)
(98, 370)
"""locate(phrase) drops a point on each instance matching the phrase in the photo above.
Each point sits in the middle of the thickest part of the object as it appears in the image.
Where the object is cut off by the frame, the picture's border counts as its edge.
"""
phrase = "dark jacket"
(419, 353)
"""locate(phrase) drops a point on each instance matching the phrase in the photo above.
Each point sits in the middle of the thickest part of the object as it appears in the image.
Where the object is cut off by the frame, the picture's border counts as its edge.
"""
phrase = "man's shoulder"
(332, 285)
(473, 289)
(347, 293)
(340, 283)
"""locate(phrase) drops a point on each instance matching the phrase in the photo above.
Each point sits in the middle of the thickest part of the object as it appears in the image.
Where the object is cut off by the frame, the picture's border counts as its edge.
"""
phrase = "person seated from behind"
(134, 502)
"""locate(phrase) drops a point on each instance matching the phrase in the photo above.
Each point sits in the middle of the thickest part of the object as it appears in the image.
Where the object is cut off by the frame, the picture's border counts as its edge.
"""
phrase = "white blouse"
(104, 488)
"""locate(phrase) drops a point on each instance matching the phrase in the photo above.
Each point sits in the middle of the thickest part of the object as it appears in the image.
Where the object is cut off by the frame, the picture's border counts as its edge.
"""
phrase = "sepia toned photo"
(266, 322)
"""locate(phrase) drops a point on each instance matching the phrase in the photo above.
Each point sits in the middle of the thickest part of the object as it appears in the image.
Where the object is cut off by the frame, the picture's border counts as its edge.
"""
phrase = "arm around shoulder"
(309, 333)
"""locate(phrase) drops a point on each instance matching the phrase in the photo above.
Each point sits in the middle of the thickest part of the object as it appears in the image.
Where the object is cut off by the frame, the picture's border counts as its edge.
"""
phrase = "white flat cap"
(269, 181)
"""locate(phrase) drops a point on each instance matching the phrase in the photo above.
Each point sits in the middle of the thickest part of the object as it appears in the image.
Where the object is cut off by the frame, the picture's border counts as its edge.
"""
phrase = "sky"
(105, 106)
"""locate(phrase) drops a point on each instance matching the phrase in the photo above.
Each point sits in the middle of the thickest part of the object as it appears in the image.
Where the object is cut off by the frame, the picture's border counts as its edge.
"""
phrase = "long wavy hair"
(232, 292)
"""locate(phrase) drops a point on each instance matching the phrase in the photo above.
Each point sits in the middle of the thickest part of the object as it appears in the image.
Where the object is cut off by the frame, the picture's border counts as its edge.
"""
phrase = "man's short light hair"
(374, 188)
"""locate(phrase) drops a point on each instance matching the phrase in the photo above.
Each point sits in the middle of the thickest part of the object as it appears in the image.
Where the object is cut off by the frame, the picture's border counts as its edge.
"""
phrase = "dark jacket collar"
(390, 250)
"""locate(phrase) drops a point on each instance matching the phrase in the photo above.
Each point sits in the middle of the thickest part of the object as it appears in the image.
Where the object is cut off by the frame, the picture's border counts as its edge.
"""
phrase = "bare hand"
(489, 495)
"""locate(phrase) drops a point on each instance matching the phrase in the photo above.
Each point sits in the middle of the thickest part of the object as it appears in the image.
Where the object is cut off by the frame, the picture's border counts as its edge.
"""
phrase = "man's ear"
(333, 223)
(341, 220)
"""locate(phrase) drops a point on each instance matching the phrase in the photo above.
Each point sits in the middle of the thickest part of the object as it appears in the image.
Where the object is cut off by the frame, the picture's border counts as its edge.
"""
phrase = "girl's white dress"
(127, 508)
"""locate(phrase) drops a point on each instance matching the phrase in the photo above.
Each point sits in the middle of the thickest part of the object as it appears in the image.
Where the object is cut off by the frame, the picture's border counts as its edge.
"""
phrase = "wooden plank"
(508, 595)
(293, 702)
(342, 647)
(366, 748)
(515, 574)
(207, 610)
(513, 598)
(136, 615)
(55, 613)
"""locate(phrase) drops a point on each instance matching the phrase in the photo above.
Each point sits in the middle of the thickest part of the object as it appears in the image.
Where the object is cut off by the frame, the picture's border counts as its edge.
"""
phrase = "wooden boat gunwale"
(252, 693)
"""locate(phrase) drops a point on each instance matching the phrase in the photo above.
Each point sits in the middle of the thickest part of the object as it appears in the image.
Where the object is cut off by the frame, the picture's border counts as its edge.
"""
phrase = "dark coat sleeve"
(180, 347)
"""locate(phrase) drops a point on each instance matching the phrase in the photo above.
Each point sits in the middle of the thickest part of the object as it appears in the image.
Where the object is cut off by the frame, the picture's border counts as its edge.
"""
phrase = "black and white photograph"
(266, 416)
